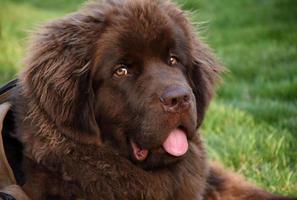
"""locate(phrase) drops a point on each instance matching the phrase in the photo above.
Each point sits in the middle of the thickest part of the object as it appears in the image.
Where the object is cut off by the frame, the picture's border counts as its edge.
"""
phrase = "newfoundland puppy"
(109, 104)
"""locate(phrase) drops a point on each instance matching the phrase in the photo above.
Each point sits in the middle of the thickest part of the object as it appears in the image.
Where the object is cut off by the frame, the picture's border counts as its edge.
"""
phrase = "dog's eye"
(173, 60)
(121, 71)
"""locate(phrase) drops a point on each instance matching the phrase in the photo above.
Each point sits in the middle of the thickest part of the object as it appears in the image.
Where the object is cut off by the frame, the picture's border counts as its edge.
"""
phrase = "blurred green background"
(251, 126)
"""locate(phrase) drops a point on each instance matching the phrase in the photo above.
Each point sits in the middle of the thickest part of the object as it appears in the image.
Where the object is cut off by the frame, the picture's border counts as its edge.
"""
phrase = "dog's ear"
(205, 73)
(57, 75)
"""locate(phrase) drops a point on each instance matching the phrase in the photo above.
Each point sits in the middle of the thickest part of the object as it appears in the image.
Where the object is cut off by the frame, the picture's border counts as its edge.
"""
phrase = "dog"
(109, 104)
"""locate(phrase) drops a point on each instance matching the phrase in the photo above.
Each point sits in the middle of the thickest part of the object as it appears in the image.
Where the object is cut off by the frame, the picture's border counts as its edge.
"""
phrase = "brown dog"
(109, 104)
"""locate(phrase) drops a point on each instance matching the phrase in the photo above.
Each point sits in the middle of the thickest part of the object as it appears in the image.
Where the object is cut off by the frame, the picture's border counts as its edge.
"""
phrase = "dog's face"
(145, 104)
(142, 87)
(141, 77)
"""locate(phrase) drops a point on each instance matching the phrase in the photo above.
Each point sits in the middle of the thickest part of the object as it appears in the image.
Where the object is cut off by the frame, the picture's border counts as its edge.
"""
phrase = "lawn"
(251, 126)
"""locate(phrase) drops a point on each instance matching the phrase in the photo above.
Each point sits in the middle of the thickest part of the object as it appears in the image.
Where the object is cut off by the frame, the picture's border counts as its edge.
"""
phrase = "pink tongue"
(176, 144)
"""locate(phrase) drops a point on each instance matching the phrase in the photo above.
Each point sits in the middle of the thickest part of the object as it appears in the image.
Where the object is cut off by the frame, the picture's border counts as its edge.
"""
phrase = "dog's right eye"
(121, 71)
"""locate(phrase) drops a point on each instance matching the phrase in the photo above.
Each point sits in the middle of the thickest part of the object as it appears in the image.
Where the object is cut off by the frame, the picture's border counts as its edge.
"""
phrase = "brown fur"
(74, 119)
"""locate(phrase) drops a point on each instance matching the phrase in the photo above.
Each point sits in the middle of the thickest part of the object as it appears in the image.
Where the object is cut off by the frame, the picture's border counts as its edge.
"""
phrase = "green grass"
(252, 125)
(264, 153)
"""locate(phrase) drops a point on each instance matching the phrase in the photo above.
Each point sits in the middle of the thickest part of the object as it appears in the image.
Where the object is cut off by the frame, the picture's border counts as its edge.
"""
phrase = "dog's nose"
(175, 99)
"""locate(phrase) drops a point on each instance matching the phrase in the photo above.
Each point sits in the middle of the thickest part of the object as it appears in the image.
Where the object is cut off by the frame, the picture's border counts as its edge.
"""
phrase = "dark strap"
(5, 196)
(6, 90)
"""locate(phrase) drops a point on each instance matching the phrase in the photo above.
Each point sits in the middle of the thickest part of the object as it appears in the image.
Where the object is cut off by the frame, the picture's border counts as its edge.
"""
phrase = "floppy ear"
(57, 75)
(204, 74)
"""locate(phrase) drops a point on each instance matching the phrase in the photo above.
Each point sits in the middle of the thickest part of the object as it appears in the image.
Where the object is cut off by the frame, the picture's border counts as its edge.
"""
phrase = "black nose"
(176, 99)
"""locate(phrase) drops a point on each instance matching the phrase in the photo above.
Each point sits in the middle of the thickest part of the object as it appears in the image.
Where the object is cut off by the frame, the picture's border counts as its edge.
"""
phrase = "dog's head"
(131, 74)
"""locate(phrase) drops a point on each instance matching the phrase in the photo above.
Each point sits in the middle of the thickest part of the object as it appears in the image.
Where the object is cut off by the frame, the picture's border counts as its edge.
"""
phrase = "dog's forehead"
(142, 25)
(140, 29)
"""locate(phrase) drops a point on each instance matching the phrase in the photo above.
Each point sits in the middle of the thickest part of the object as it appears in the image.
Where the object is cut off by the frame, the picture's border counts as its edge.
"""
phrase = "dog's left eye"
(121, 71)
(173, 60)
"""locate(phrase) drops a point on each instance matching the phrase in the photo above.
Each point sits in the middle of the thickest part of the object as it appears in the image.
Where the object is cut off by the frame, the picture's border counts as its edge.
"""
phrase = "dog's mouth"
(176, 145)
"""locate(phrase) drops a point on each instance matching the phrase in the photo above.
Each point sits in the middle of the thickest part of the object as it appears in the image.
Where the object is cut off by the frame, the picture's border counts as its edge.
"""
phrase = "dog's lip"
(140, 153)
